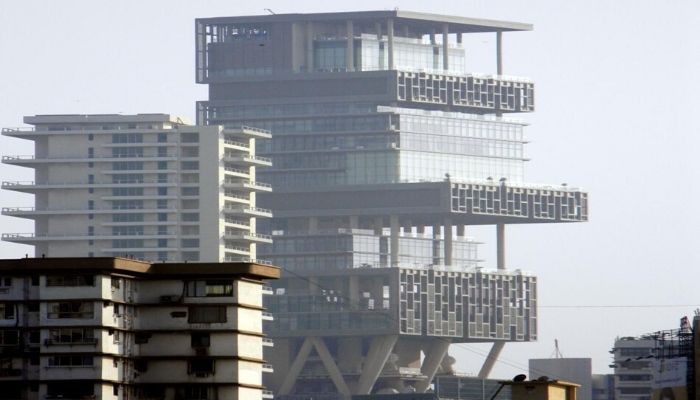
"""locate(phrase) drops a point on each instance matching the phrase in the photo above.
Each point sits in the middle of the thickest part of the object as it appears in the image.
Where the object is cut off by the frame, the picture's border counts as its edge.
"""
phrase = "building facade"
(146, 186)
(114, 328)
(633, 362)
(386, 150)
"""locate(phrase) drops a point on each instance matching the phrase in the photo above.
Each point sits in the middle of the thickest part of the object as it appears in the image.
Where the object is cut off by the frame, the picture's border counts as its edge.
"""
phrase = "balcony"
(83, 342)
(251, 186)
(247, 236)
(248, 159)
(237, 172)
(30, 186)
(32, 237)
(29, 160)
(30, 212)
(248, 211)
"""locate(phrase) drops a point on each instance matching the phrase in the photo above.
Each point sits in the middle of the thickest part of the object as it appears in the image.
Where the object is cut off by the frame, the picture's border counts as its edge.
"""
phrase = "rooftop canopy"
(424, 21)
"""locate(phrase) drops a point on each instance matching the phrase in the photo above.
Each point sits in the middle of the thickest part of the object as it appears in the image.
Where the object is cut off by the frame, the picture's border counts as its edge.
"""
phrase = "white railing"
(234, 143)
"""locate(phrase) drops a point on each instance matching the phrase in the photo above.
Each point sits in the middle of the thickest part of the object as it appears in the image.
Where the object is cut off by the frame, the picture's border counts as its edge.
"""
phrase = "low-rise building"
(116, 328)
(633, 360)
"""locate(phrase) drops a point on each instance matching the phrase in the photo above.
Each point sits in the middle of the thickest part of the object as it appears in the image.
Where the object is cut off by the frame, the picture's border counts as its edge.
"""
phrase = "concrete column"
(432, 37)
(378, 30)
(378, 225)
(390, 41)
(330, 365)
(295, 368)
(459, 37)
(445, 47)
(500, 246)
(491, 359)
(379, 351)
(420, 229)
(313, 225)
(394, 240)
(499, 53)
(309, 46)
(354, 222)
(461, 230)
(350, 47)
(447, 242)
(434, 353)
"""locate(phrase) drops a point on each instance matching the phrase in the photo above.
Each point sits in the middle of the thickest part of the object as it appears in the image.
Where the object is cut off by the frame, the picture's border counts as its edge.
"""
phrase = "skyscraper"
(385, 151)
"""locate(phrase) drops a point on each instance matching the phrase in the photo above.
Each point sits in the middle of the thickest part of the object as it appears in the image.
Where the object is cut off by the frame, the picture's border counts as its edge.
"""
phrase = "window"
(91, 152)
(162, 243)
(160, 204)
(162, 230)
(5, 281)
(190, 191)
(162, 191)
(201, 339)
(201, 367)
(162, 165)
(71, 309)
(198, 392)
(116, 282)
(162, 137)
(70, 361)
(91, 204)
(91, 136)
(70, 280)
(71, 336)
(70, 389)
(91, 231)
(210, 288)
(7, 311)
(33, 307)
(35, 280)
(9, 338)
(206, 314)
(162, 217)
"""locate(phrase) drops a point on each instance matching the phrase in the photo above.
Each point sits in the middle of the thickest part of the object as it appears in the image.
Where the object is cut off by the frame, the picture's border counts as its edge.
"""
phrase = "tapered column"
(491, 359)
(500, 246)
(379, 351)
(445, 47)
(330, 365)
(390, 41)
(394, 240)
(447, 242)
(350, 47)
(295, 368)
(434, 354)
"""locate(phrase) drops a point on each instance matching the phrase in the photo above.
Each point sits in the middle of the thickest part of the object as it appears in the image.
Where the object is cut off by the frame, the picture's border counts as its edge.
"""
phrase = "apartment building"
(116, 328)
(145, 186)
(633, 361)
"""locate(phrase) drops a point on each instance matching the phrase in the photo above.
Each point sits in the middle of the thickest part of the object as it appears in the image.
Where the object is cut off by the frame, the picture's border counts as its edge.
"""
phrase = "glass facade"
(363, 249)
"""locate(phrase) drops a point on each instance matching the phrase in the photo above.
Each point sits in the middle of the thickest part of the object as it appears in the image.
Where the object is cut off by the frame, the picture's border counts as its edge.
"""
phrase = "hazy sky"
(617, 99)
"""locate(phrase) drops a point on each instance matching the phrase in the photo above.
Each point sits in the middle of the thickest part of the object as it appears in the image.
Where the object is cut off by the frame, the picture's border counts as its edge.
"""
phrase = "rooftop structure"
(386, 150)
(146, 186)
(115, 328)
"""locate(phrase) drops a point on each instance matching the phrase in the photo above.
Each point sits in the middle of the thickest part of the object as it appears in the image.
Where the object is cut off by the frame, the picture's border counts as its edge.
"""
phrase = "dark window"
(207, 314)
(33, 307)
(201, 339)
(202, 366)
(71, 280)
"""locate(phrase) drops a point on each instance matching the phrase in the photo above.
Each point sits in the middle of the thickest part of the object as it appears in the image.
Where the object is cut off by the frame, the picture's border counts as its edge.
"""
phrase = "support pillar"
(309, 46)
(330, 365)
(500, 246)
(434, 354)
(378, 225)
(354, 222)
(350, 47)
(491, 359)
(420, 229)
(379, 351)
(459, 37)
(394, 240)
(378, 30)
(295, 368)
(407, 226)
(447, 242)
(390, 41)
(499, 53)
(313, 225)
(461, 230)
(445, 46)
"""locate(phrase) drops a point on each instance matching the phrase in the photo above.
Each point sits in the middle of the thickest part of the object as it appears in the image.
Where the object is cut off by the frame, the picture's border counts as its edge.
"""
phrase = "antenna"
(556, 353)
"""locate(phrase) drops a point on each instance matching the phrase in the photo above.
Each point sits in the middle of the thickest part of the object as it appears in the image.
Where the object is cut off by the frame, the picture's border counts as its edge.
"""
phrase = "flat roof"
(142, 268)
(103, 118)
(455, 23)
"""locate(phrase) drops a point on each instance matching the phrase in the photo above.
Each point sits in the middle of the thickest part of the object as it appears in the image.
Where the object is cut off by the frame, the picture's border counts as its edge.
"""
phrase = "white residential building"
(634, 367)
(117, 329)
(146, 186)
